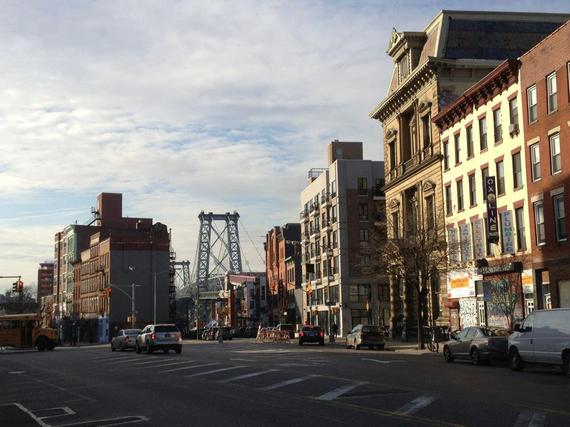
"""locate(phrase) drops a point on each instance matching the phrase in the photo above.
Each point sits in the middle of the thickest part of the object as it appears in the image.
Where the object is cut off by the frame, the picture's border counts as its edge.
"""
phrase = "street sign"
(492, 218)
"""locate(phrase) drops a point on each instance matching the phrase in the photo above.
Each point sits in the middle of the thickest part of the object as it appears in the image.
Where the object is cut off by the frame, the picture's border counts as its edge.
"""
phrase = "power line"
(251, 241)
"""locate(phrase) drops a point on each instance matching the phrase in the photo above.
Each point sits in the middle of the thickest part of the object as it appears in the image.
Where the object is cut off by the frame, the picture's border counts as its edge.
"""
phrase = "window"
(517, 171)
(484, 176)
(333, 188)
(448, 201)
(457, 146)
(359, 293)
(359, 317)
(532, 104)
(445, 155)
(404, 67)
(396, 225)
(519, 223)
(560, 217)
(472, 190)
(539, 223)
(459, 185)
(513, 112)
(430, 212)
(483, 134)
(500, 177)
(551, 90)
(363, 211)
(535, 162)
(362, 185)
(469, 136)
(334, 240)
(555, 162)
(333, 213)
(426, 130)
(364, 235)
(392, 149)
(497, 125)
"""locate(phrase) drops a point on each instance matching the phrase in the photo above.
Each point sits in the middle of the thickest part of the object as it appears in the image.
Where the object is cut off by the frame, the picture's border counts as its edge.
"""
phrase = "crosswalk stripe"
(147, 362)
(126, 360)
(415, 405)
(173, 363)
(287, 382)
(199, 374)
(251, 375)
(530, 419)
(337, 392)
(189, 367)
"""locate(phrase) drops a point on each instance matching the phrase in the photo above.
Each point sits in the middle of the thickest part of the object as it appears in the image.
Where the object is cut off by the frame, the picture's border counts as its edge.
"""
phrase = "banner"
(492, 219)
(478, 238)
(508, 238)
(466, 253)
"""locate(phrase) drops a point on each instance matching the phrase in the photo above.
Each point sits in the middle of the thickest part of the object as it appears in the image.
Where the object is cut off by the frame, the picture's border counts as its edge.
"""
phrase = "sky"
(185, 106)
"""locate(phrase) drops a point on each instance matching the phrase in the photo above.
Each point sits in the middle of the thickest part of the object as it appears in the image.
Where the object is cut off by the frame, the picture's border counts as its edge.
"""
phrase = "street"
(242, 383)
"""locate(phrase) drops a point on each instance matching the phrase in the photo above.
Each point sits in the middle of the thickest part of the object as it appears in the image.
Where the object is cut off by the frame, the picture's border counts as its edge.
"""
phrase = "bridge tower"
(218, 247)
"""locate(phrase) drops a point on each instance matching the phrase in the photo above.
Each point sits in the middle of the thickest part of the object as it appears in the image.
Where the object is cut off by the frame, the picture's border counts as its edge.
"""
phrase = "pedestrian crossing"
(273, 378)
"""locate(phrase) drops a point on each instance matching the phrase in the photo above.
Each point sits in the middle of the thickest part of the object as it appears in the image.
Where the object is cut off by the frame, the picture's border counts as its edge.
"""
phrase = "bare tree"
(418, 254)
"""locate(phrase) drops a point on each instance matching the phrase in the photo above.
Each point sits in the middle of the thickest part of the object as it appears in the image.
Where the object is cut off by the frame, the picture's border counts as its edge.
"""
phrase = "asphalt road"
(241, 383)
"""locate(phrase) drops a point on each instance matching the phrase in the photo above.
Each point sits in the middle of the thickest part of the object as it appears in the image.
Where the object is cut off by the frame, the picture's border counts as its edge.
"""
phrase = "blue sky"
(185, 106)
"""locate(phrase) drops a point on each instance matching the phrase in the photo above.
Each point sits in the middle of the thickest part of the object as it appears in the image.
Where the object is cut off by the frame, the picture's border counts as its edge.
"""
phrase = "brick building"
(45, 280)
(544, 77)
(96, 266)
(283, 270)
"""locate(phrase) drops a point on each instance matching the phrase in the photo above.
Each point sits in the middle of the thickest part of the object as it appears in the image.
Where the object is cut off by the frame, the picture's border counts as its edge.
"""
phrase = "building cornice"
(480, 93)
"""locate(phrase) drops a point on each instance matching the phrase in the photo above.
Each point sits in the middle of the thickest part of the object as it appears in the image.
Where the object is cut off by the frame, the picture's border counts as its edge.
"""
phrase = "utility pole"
(132, 305)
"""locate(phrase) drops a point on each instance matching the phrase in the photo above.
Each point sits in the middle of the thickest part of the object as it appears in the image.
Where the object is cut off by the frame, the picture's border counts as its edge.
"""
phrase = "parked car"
(478, 344)
(365, 336)
(163, 337)
(543, 338)
(126, 338)
(311, 334)
(287, 327)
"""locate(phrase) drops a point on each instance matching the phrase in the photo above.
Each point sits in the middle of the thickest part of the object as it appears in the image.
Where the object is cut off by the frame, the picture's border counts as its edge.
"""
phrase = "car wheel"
(178, 349)
(41, 344)
(517, 363)
(356, 346)
(300, 342)
(50, 345)
(112, 347)
(322, 342)
(149, 349)
(447, 355)
(566, 363)
(137, 348)
(475, 357)
(381, 347)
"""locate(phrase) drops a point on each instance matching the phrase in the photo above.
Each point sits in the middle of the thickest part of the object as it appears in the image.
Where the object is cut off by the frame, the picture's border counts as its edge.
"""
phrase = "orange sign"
(462, 282)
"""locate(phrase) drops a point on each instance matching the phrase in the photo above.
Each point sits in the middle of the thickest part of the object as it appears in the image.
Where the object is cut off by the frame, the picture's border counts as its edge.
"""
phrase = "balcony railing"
(418, 158)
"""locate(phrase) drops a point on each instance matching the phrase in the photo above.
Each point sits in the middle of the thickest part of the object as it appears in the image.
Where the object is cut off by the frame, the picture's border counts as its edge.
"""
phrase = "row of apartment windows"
(482, 128)
(313, 249)
(94, 283)
(551, 96)
(555, 157)
(518, 180)
(323, 269)
(559, 220)
(325, 295)
(95, 305)
(327, 218)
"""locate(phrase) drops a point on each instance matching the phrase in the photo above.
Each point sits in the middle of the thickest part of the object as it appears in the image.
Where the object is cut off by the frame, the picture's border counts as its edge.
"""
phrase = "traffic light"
(15, 287)
(20, 286)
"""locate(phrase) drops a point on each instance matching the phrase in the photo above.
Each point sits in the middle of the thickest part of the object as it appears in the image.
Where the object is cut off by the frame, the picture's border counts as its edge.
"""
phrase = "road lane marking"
(251, 375)
(173, 363)
(64, 411)
(245, 360)
(16, 372)
(29, 413)
(384, 362)
(415, 405)
(530, 419)
(199, 374)
(147, 362)
(188, 367)
(337, 392)
(125, 360)
(110, 421)
(287, 382)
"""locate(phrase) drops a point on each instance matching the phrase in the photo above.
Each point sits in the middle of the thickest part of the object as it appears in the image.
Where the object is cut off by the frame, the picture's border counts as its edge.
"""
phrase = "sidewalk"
(390, 345)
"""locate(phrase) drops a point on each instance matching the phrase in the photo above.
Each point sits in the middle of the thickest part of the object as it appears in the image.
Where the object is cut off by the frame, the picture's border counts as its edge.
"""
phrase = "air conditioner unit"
(513, 128)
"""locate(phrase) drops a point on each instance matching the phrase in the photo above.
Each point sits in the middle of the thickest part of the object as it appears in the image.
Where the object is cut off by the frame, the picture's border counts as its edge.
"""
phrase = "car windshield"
(166, 328)
(370, 329)
(311, 328)
(286, 327)
(132, 331)
(495, 332)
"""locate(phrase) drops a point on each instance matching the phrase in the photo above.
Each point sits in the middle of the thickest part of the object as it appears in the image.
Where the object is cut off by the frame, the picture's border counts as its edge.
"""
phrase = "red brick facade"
(547, 133)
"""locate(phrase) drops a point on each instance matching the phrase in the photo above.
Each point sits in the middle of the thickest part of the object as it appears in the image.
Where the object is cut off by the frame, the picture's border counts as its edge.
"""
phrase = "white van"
(544, 337)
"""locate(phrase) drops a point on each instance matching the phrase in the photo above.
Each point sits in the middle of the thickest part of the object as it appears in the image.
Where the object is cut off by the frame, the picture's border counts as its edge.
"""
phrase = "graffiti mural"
(468, 312)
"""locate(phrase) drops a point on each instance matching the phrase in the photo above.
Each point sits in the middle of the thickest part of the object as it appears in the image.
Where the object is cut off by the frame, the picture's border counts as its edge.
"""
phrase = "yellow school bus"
(24, 331)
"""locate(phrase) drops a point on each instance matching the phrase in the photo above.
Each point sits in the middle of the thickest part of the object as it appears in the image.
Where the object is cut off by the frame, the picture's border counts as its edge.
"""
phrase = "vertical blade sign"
(492, 218)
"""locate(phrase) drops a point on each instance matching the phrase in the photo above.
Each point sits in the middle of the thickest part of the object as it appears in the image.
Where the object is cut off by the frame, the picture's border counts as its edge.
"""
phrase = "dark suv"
(159, 337)
(312, 334)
